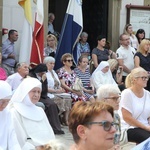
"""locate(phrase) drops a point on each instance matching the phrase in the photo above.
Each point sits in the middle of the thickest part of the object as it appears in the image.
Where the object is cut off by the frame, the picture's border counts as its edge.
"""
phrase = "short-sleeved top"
(144, 61)
(102, 55)
(84, 76)
(127, 55)
(129, 100)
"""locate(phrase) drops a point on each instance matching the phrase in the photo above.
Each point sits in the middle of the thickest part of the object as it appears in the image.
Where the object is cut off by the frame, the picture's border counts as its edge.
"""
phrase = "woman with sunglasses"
(128, 30)
(134, 106)
(92, 126)
(67, 78)
(142, 58)
(110, 94)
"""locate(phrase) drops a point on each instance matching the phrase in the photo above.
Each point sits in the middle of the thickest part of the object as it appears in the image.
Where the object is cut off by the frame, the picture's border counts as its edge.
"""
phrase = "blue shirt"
(7, 49)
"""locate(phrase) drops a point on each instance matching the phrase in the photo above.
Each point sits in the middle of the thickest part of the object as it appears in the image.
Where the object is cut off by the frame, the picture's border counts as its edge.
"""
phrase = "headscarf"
(5, 90)
(22, 102)
(101, 66)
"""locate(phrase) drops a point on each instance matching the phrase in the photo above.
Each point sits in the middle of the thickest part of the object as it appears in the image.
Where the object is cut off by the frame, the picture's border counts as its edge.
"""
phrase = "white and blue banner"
(71, 29)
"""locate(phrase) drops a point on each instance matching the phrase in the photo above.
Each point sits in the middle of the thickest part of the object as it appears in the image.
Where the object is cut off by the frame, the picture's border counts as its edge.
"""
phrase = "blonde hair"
(54, 37)
(134, 74)
(126, 28)
(112, 63)
(142, 44)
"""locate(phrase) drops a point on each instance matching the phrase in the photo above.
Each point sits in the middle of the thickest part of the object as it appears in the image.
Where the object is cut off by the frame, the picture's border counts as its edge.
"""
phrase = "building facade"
(11, 17)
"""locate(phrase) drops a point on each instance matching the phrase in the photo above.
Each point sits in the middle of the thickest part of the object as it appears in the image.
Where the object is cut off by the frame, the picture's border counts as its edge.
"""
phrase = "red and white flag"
(38, 35)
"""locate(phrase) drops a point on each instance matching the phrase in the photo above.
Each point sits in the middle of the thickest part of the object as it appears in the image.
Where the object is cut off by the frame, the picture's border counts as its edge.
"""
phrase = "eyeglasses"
(69, 60)
(113, 98)
(106, 124)
(144, 78)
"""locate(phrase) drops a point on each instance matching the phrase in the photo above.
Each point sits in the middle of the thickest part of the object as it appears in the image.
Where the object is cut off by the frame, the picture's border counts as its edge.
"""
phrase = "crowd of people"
(114, 96)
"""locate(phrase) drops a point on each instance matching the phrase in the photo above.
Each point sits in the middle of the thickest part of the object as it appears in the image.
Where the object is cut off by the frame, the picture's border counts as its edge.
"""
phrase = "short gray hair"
(48, 59)
(84, 34)
(107, 89)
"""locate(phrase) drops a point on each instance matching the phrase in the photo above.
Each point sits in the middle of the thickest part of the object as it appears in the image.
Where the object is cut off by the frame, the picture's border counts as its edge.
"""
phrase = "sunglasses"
(69, 60)
(105, 124)
(144, 78)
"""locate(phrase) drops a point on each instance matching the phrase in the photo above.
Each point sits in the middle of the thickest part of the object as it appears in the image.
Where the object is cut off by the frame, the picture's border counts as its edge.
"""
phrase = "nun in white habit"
(8, 139)
(30, 122)
(102, 75)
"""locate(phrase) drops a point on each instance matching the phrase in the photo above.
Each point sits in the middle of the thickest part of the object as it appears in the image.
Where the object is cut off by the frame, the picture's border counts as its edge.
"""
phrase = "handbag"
(123, 137)
(77, 86)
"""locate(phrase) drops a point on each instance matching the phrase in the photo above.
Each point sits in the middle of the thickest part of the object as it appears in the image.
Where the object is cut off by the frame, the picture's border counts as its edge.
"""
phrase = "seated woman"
(67, 78)
(117, 72)
(92, 126)
(51, 108)
(110, 94)
(102, 75)
(8, 139)
(134, 106)
(50, 50)
(55, 91)
(82, 72)
(30, 122)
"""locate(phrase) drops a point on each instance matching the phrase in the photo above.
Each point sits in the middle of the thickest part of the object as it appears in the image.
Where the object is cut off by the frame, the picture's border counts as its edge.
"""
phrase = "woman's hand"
(40, 147)
(79, 93)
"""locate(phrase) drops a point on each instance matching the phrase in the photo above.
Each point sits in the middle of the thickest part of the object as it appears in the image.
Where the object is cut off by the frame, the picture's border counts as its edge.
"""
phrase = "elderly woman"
(55, 91)
(8, 139)
(91, 125)
(142, 58)
(111, 95)
(83, 47)
(30, 122)
(102, 75)
(50, 50)
(83, 73)
(51, 108)
(134, 106)
(67, 78)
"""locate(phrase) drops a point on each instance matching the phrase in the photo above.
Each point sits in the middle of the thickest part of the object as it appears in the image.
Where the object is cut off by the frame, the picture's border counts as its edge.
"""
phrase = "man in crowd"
(125, 55)
(8, 52)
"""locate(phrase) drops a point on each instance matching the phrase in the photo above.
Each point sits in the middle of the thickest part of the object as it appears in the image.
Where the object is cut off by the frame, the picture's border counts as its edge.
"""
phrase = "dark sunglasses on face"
(105, 124)
(69, 60)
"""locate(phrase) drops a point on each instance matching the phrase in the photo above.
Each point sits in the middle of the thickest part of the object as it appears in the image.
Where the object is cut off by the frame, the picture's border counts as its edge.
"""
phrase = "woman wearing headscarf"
(8, 139)
(51, 108)
(102, 75)
(30, 122)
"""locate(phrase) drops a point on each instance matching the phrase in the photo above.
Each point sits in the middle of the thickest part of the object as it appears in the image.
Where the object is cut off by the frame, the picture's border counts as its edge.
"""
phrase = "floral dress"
(69, 79)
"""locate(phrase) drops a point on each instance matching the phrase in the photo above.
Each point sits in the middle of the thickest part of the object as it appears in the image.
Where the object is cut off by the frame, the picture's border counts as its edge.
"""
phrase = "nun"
(102, 75)
(30, 122)
(8, 139)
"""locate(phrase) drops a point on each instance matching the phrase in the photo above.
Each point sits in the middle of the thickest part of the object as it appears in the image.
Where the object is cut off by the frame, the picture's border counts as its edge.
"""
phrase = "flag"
(38, 35)
(71, 29)
(26, 39)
